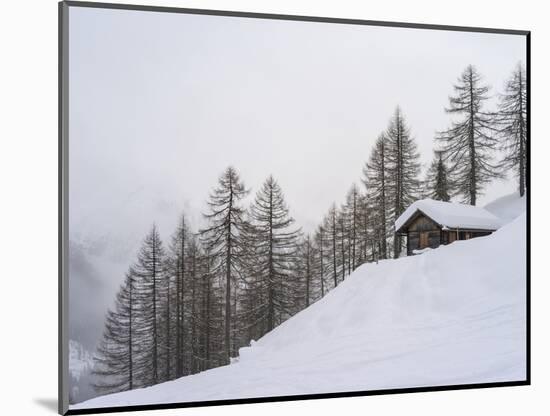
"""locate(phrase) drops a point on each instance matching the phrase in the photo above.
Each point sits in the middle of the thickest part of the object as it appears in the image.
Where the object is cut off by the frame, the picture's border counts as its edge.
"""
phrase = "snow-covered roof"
(451, 215)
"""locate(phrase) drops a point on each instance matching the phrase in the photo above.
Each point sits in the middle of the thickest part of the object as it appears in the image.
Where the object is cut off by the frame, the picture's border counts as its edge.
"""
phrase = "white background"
(28, 213)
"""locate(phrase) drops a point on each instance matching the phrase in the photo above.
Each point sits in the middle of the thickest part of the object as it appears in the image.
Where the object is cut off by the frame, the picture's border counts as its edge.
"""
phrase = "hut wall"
(422, 233)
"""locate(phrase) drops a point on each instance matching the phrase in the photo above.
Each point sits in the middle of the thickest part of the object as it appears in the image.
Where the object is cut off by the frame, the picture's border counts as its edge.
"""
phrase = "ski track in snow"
(453, 315)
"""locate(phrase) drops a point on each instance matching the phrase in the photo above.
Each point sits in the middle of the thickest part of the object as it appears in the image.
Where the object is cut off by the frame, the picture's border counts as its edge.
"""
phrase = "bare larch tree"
(511, 122)
(223, 239)
(470, 141)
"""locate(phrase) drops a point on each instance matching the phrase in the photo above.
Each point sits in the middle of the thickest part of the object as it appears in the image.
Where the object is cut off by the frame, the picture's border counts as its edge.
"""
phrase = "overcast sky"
(161, 104)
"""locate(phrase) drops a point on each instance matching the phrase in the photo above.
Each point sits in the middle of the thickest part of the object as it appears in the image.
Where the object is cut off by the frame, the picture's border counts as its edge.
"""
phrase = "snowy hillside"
(507, 207)
(453, 315)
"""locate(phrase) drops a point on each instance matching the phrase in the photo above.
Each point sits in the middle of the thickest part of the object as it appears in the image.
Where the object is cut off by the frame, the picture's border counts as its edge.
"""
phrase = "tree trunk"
(473, 178)
(130, 358)
(155, 337)
(322, 271)
(227, 335)
(208, 288)
(168, 329)
(522, 150)
(308, 277)
(334, 248)
(383, 249)
(270, 279)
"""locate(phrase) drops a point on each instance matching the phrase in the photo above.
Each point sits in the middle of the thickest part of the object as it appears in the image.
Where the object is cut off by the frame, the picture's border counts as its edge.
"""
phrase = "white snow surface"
(508, 207)
(454, 315)
(452, 215)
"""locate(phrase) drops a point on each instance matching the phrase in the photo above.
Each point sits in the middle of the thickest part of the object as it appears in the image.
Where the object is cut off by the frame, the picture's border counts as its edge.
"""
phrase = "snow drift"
(453, 315)
(507, 207)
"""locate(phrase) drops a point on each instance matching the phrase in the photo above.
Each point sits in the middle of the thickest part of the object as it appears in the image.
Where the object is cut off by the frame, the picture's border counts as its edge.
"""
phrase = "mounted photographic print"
(262, 207)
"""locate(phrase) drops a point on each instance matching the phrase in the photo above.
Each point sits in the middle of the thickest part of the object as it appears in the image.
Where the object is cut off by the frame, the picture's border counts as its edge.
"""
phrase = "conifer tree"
(321, 257)
(470, 141)
(178, 271)
(342, 233)
(306, 270)
(254, 297)
(167, 303)
(150, 276)
(365, 228)
(352, 214)
(437, 182)
(130, 354)
(274, 241)
(194, 264)
(403, 169)
(375, 179)
(223, 239)
(210, 325)
(511, 122)
(331, 227)
(115, 358)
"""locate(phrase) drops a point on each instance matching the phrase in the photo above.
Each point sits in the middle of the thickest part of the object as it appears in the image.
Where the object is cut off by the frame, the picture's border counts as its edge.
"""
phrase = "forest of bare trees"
(188, 305)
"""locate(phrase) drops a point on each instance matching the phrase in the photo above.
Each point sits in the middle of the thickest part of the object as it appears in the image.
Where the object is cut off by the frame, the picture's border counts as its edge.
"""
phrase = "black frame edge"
(274, 16)
(212, 403)
(63, 123)
(528, 225)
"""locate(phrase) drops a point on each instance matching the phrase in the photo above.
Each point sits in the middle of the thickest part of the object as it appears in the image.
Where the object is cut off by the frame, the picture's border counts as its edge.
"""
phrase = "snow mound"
(451, 215)
(454, 315)
(508, 207)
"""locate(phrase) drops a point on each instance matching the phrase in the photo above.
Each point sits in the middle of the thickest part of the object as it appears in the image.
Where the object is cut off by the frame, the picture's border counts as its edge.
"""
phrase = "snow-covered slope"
(507, 207)
(453, 315)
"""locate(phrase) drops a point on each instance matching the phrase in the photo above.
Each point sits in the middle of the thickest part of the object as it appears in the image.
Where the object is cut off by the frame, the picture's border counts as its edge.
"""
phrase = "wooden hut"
(428, 224)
